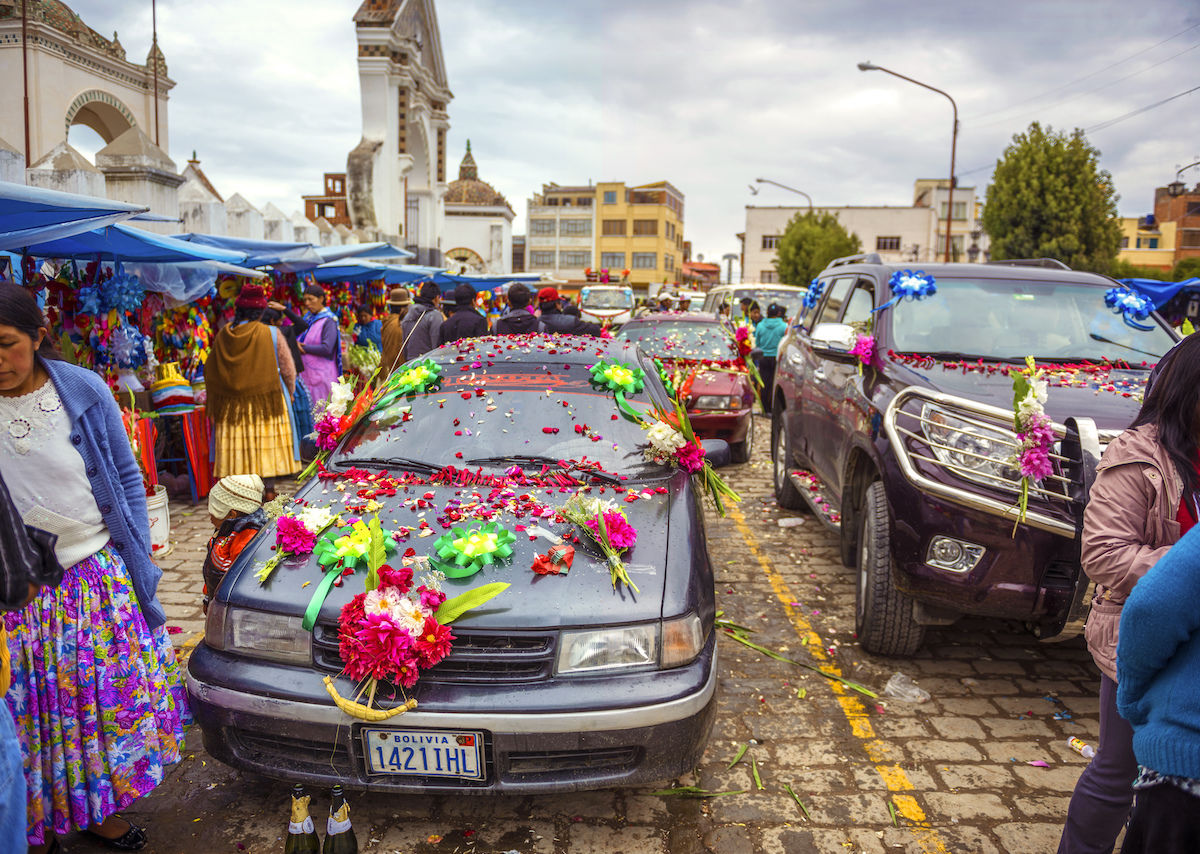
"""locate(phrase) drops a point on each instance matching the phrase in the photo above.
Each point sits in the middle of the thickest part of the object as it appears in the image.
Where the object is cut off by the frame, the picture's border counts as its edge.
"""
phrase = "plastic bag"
(900, 687)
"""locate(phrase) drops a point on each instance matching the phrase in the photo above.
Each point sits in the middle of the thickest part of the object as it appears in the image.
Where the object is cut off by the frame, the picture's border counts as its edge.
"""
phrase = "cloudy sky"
(708, 95)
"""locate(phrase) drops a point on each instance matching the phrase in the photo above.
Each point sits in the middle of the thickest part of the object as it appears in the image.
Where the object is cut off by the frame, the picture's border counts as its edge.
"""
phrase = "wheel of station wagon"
(786, 494)
(740, 451)
(883, 615)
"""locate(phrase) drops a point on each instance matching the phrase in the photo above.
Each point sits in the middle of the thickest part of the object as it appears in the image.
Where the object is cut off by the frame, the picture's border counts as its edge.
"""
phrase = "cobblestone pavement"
(950, 775)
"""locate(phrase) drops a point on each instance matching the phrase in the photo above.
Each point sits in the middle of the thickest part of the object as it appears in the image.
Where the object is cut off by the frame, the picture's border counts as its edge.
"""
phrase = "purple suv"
(909, 457)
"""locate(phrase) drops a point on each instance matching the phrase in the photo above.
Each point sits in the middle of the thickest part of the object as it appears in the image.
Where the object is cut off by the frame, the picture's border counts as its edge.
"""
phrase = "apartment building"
(609, 225)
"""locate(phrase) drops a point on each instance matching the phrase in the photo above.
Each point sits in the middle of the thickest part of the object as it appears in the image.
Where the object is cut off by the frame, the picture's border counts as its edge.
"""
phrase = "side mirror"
(834, 341)
(716, 451)
(308, 448)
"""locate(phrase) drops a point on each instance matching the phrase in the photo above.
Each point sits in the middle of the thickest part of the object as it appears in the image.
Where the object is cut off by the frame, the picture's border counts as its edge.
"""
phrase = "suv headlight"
(258, 634)
(980, 454)
(671, 643)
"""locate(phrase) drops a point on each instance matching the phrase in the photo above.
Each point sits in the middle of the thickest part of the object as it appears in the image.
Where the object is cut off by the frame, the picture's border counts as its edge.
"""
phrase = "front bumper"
(732, 426)
(274, 722)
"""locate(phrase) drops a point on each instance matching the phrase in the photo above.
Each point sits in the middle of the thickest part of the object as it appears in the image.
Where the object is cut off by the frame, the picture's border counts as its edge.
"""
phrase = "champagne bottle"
(302, 835)
(339, 835)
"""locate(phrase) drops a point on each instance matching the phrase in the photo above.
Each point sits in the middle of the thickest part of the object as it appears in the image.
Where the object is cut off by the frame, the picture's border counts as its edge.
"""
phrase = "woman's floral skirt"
(96, 695)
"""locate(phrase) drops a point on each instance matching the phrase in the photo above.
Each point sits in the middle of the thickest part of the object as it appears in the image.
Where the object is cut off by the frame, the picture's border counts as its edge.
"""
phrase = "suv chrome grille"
(958, 449)
(475, 657)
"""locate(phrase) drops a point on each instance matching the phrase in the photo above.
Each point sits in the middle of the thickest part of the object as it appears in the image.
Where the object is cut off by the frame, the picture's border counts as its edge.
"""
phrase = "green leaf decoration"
(416, 378)
(376, 553)
(452, 609)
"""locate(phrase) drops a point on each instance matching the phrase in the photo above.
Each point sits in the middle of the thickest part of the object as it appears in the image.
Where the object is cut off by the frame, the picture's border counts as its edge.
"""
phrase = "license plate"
(425, 753)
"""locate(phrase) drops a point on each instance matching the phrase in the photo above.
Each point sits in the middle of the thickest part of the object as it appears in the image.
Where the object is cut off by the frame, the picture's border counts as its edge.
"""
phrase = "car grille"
(475, 657)
(315, 757)
(932, 456)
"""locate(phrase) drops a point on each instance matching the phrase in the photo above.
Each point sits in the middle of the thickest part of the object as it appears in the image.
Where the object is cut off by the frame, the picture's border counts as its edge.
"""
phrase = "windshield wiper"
(517, 459)
(961, 357)
(389, 463)
(1104, 340)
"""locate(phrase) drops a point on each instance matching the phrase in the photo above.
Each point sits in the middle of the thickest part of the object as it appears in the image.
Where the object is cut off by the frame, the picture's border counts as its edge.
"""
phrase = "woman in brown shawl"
(249, 376)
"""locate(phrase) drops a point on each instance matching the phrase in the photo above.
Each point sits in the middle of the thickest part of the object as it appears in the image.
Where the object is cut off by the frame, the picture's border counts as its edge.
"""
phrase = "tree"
(810, 241)
(1050, 199)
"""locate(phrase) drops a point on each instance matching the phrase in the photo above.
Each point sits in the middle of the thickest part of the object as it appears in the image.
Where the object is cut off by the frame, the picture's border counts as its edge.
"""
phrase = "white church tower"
(396, 175)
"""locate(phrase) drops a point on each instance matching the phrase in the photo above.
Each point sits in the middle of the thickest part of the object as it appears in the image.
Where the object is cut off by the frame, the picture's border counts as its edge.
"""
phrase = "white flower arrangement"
(341, 395)
(664, 441)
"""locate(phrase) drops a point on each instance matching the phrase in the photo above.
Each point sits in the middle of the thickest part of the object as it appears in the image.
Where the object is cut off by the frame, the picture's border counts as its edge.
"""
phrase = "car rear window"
(681, 340)
(1011, 319)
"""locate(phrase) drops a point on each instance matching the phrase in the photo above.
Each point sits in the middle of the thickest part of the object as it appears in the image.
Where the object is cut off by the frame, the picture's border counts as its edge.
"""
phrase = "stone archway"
(102, 111)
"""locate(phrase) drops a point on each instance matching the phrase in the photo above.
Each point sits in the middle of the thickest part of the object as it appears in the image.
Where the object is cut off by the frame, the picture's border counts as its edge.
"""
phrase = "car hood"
(585, 596)
(718, 382)
(1111, 410)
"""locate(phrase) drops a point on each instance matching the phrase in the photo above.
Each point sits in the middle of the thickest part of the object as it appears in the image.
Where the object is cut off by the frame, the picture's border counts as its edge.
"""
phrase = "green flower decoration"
(463, 552)
(667, 380)
(620, 380)
(351, 548)
(414, 379)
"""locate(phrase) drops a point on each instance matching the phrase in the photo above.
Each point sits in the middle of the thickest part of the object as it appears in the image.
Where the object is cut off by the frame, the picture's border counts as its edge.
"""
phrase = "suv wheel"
(739, 452)
(786, 494)
(883, 614)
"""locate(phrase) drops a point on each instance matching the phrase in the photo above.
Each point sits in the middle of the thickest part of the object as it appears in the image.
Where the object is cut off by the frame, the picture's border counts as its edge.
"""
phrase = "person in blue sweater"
(767, 335)
(369, 330)
(1158, 692)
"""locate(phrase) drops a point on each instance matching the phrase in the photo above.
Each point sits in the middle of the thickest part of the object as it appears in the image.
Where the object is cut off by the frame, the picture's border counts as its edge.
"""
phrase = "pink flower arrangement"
(864, 348)
(690, 457)
(328, 429)
(292, 536)
(621, 534)
(1037, 439)
(390, 633)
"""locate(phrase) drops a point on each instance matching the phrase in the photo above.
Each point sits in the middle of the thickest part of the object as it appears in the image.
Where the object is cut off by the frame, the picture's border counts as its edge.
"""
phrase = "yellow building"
(1147, 243)
(640, 229)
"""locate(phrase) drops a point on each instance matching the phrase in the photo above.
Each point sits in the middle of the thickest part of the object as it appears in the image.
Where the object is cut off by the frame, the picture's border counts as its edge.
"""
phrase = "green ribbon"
(463, 552)
(414, 379)
(621, 380)
(318, 598)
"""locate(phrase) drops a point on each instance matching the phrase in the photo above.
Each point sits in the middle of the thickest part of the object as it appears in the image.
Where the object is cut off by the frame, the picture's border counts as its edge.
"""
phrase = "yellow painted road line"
(881, 754)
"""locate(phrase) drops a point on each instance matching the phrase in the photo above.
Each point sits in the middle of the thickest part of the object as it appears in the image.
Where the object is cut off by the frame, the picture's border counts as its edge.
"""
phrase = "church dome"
(469, 190)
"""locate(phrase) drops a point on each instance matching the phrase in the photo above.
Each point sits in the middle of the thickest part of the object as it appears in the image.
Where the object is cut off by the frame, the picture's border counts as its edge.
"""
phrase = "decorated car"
(946, 422)
(708, 368)
(497, 581)
(606, 305)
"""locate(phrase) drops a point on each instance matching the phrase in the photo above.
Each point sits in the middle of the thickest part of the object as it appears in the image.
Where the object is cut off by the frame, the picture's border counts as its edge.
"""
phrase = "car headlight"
(608, 649)
(977, 453)
(258, 634)
(716, 401)
(671, 643)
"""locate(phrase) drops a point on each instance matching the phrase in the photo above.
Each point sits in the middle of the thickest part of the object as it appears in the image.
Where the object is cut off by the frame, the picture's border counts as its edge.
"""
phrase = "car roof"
(536, 349)
(1024, 272)
(755, 286)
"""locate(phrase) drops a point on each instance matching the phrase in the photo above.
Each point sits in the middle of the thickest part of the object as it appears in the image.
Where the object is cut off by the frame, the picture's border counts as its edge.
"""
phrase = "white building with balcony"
(560, 231)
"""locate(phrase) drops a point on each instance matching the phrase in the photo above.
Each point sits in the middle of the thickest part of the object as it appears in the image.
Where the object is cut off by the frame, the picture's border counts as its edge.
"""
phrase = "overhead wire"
(1087, 76)
(1110, 122)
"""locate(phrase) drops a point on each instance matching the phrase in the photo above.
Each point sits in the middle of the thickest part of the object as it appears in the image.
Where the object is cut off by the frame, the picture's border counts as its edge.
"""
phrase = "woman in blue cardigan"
(96, 693)
(1158, 692)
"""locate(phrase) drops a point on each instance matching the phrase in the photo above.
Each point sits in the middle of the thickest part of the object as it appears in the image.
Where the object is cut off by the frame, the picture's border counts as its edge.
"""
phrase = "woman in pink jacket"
(1146, 482)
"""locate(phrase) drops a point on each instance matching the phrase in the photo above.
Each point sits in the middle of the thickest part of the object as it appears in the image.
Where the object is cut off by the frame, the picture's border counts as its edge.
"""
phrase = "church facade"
(396, 175)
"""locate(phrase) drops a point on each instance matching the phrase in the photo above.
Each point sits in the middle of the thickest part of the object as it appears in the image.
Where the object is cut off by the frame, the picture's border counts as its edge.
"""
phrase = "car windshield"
(505, 412)
(679, 339)
(1012, 319)
(789, 299)
(608, 299)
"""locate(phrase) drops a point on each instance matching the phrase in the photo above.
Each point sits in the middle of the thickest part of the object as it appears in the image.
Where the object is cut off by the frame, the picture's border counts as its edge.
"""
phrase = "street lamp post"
(785, 187)
(729, 258)
(867, 66)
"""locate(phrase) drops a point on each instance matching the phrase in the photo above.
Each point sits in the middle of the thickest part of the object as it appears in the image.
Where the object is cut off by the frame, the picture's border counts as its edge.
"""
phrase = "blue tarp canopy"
(362, 250)
(449, 281)
(122, 242)
(370, 271)
(280, 254)
(31, 215)
(1160, 293)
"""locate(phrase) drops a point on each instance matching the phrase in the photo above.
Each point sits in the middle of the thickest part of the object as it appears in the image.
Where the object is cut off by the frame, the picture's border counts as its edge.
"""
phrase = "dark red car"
(700, 352)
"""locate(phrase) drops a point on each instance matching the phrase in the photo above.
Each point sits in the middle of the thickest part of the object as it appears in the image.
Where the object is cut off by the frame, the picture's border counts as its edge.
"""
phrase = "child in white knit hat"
(235, 509)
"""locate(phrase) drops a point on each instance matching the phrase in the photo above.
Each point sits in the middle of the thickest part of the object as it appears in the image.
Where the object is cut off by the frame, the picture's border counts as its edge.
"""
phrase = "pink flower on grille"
(690, 457)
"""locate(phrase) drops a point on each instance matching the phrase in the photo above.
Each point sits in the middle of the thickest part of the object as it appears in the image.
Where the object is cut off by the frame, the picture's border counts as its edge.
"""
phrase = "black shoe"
(133, 839)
